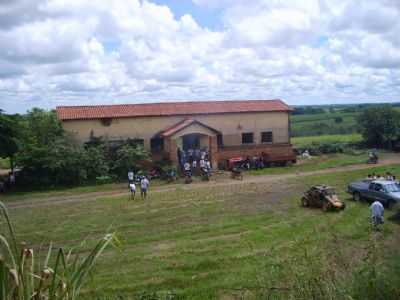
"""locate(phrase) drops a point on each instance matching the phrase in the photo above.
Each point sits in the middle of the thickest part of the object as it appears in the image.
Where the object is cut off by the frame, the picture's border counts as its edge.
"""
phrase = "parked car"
(386, 192)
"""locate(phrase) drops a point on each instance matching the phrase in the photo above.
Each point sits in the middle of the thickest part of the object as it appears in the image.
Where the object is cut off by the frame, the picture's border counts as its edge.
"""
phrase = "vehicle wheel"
(304, 202)
(325, 207)
(389, 204)
(356, 197)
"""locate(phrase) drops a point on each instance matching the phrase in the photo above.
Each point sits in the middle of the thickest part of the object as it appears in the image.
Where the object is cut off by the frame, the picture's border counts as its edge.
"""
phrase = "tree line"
(46, 155)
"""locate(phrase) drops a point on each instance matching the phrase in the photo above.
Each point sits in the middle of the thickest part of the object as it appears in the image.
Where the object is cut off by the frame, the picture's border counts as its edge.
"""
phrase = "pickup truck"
(386, 192)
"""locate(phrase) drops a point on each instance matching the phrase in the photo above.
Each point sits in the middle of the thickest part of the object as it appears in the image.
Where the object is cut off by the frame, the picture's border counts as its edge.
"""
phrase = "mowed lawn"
(244, 240)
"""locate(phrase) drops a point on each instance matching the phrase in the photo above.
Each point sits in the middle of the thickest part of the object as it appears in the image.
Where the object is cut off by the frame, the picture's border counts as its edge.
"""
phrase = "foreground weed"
(20, 279)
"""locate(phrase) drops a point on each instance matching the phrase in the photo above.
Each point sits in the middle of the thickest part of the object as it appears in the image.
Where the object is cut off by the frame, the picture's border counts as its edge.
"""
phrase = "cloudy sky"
(75, 52)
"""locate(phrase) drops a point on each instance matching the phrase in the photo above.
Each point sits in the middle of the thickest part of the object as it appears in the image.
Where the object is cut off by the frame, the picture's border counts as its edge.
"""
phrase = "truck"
(385, 191)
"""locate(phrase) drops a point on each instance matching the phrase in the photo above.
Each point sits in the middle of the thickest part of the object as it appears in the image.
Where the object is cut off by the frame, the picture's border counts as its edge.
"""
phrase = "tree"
(42, 127)
(129, 158)
(8, 137)
(338, 120)
(380, 126)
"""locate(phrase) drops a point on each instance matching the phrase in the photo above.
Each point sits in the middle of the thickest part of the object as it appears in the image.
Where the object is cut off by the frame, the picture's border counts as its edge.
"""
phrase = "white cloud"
(82, 51)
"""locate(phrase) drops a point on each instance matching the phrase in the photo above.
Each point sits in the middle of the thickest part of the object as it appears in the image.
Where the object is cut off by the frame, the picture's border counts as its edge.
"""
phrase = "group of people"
(255, 162)
(144, 185)
(193, 161)
(388, 176)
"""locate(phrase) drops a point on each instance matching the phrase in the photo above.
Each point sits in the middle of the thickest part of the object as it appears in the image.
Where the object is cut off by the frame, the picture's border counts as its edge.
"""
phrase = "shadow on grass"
(395, 218)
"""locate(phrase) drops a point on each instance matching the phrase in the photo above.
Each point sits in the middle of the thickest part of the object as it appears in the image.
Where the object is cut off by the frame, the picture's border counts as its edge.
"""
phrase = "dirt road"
(54, 200)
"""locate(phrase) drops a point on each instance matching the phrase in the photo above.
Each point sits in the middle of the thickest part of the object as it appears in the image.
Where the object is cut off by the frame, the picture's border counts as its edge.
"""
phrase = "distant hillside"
(327, 119)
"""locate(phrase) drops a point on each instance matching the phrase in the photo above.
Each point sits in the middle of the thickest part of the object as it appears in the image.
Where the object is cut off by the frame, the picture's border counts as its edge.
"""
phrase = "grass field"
(323, 124)
(239, 241)
(333, 138)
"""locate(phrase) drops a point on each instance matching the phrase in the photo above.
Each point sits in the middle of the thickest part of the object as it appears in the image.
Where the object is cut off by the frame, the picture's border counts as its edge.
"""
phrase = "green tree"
(129, 157)
(57, 163)
(95, 162)
(380, 126)
(42, 127)
(8, 137)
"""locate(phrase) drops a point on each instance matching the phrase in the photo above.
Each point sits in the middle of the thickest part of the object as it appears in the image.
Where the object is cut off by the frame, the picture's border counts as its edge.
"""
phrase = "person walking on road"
(144, 185)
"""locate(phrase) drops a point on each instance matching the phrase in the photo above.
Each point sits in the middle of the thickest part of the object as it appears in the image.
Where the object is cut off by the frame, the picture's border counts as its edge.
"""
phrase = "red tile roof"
(182, 125)
(169, 109)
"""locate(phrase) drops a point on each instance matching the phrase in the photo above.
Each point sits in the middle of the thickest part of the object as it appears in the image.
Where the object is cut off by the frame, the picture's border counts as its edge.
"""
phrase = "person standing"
(194, 166)
(377, 211)
(132, 188)
(131, 176)
(179, 155)
(144, 185)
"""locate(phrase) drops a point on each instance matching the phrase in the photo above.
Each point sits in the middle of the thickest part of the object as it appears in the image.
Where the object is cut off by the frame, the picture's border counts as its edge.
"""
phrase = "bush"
(104, 180)
(127, 158)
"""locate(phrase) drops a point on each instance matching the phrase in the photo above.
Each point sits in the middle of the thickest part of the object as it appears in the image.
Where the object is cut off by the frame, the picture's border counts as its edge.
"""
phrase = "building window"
(267, 137)
(247, 138)
(157, 144)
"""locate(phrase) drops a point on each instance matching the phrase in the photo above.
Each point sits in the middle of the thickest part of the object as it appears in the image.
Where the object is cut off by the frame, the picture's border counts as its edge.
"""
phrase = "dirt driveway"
(21, 204)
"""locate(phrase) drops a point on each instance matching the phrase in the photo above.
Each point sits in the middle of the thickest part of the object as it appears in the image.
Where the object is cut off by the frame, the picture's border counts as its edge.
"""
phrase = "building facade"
(225, 128)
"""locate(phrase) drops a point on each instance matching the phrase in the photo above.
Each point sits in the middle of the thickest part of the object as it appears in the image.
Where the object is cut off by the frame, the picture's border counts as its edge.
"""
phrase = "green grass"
(316, 163)
(231, 241)
(72, 191)
(334, 138)
(323, 124)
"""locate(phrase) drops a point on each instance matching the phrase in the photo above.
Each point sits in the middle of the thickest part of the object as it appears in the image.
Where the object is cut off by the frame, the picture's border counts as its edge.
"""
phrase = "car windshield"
(392, 188)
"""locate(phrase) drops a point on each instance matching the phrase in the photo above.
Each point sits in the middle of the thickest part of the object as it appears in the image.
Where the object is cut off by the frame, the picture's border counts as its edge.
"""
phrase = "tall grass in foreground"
(23, 278)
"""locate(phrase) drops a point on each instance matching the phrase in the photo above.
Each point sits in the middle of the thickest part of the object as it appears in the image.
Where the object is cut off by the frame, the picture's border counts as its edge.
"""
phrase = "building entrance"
(191, 141)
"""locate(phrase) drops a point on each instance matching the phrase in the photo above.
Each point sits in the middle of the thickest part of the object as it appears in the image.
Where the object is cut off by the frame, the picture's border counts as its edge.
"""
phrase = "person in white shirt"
(377, 211)
(202, 163)
(144, 185)
(208, 165)
(132, 188)
(186, 166)
(130, 176)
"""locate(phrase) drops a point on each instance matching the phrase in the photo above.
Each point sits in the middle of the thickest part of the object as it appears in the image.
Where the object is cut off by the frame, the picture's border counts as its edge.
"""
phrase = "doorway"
(191, 141)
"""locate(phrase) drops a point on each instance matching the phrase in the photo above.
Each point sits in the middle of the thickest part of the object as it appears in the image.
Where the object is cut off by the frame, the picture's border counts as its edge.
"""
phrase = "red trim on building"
(65, 113)
(182, 125)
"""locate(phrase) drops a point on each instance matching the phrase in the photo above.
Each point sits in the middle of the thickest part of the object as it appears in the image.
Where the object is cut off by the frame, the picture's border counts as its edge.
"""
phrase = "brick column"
(173, 157)
(213, 142)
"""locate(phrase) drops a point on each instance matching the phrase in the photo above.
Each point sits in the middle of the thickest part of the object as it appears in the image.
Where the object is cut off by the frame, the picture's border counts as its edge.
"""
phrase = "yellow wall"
(231, 126)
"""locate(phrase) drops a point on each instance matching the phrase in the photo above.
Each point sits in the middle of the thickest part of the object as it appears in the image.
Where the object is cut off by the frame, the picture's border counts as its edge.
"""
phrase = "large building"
(225, 128)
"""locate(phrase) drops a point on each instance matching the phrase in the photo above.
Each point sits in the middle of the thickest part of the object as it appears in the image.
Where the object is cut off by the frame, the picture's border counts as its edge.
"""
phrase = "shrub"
(104, 179)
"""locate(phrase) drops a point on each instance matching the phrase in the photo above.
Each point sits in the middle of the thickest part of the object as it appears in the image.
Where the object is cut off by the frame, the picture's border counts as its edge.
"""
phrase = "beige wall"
(231, 126)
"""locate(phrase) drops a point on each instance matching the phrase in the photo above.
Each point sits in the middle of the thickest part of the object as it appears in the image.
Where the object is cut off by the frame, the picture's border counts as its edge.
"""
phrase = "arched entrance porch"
(192, 137)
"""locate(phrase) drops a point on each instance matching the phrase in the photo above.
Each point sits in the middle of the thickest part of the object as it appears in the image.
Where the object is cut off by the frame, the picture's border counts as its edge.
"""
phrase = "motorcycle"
(205, 174)
(373, 160)
(188, 177)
